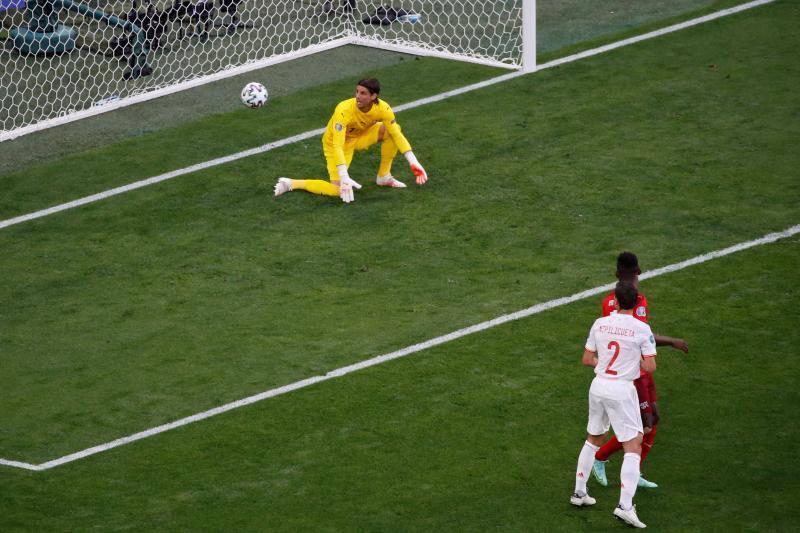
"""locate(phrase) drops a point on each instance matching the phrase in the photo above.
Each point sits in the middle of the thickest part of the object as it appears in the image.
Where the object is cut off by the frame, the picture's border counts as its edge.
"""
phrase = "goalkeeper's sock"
(388, 151)
(322, 187)
(647, 442)
(608, 449)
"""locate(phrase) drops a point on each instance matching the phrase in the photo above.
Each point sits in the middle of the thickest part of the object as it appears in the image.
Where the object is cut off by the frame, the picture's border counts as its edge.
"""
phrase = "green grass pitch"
(157, 304)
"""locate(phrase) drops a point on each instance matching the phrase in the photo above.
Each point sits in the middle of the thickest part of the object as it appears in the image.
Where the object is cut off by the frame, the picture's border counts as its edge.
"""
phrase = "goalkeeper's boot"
(390, 181)
(628, 516)
(646, 484)
(284, 185)
(599, 472)
(581, 499)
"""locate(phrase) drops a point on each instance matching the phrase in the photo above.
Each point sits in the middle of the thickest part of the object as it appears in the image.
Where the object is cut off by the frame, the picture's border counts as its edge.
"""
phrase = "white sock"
(629, 479)
(411, 158)
(585, 462)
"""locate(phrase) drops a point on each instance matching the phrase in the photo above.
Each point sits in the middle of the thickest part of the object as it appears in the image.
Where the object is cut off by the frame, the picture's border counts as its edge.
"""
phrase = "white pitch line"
(656, 33)
(19, 464)
(411, 105)
(161, 177)
(538, 308)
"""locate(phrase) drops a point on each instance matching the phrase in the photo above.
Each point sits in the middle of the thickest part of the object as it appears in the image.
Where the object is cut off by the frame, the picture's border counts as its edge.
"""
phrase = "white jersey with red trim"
(620, 341)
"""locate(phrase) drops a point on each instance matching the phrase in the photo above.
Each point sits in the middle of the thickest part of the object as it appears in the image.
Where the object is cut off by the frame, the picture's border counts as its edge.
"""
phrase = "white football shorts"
(614, 402)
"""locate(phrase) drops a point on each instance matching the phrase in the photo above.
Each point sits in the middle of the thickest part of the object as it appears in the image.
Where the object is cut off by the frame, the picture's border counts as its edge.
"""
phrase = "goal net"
(68, 59)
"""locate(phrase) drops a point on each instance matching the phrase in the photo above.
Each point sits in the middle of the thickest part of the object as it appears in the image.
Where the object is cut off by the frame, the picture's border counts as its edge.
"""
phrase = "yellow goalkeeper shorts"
(362, 142)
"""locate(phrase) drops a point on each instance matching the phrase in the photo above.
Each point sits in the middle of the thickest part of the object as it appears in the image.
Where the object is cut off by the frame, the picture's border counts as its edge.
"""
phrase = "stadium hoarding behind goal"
(65, 59)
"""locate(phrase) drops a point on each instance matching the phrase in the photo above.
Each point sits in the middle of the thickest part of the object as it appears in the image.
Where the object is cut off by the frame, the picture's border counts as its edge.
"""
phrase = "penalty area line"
(430, 343)
(403, 107)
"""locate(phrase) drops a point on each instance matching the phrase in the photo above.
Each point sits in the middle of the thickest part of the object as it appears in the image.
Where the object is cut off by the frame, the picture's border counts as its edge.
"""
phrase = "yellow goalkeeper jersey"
(348, 123)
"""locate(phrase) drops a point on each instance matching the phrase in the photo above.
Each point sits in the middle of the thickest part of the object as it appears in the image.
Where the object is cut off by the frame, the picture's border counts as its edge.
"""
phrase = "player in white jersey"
(618, 346)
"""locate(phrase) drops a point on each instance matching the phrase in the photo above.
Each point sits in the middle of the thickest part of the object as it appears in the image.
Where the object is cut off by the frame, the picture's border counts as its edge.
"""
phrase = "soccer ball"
(254, 95)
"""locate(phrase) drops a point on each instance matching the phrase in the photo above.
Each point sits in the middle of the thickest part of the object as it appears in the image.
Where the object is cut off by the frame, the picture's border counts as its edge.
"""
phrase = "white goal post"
(64, 60)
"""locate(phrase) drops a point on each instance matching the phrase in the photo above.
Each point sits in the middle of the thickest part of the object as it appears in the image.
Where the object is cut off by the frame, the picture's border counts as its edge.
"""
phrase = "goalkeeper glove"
(416, 168)
(346, 184)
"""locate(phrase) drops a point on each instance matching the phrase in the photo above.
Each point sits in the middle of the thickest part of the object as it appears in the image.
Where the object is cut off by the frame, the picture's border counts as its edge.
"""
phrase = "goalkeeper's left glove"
(346, 184)
(416, 168)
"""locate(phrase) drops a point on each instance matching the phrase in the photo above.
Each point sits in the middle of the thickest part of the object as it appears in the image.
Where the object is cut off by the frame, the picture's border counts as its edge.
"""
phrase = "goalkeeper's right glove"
(416, 168)
(346, 184)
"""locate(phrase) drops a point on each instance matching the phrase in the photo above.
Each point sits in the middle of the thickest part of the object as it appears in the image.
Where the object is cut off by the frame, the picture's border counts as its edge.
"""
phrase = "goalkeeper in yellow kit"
(357, 124)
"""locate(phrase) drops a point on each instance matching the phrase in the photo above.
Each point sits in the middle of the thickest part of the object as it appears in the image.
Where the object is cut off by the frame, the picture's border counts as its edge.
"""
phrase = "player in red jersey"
(617, 348)
(628, 270)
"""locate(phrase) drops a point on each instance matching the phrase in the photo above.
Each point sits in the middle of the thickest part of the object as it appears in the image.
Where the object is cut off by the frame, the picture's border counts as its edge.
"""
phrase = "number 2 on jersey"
(613, 345)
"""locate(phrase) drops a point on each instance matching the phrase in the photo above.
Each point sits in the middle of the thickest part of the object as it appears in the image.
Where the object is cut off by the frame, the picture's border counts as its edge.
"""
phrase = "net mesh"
(472, 29)
(60, 57)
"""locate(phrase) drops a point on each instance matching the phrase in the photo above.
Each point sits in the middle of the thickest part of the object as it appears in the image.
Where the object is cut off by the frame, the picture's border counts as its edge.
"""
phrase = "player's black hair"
(627, 266)
(371, 84)
(626, 295)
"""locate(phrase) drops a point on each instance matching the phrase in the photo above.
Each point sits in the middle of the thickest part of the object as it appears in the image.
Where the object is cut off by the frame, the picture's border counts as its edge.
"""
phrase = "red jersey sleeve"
(641, 311)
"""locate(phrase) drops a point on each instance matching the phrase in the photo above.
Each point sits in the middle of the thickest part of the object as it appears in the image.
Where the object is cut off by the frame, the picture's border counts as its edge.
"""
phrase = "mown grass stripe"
(380, 359)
